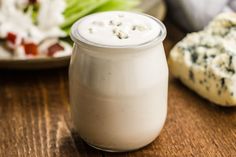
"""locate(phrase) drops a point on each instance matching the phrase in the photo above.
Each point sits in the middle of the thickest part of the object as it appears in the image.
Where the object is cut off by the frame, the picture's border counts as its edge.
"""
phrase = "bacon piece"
(54, 48)
(11, 37)
(30, 49)
(32, 1)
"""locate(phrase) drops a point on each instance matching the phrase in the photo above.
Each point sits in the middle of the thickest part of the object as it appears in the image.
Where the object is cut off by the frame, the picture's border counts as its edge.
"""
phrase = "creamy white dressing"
(51, 12)
(118, 28)
(12, 19)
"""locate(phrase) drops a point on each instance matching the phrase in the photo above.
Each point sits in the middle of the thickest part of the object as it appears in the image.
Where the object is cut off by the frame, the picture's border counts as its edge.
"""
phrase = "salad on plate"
(32, 29)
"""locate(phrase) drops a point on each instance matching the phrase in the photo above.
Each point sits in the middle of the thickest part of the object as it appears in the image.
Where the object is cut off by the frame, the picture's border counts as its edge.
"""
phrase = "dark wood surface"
(35, 119)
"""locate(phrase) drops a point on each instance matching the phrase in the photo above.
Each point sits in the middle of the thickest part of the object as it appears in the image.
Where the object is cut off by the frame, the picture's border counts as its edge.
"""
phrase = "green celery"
(70, 4)
(70, 20)
(78, 7)
(32, 10)
(118, 5)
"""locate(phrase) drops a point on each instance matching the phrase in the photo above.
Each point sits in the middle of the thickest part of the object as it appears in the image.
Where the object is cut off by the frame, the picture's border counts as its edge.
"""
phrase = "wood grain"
(35, 119)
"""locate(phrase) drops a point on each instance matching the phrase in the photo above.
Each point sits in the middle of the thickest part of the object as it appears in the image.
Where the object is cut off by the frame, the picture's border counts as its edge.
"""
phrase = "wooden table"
(35, 121)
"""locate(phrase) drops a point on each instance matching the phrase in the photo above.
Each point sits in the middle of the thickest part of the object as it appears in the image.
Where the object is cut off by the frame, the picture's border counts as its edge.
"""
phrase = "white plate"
(38, 63)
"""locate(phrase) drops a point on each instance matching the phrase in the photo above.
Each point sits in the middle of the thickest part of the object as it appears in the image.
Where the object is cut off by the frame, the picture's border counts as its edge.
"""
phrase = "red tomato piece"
(11, 37)
(30, 49)
(54, 48)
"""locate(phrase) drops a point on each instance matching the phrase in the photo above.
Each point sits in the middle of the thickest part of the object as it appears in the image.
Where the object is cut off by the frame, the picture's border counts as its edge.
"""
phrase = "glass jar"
(118, 94)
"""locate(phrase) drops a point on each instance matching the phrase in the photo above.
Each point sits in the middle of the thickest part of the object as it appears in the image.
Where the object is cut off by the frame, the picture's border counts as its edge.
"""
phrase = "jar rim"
(78, 39)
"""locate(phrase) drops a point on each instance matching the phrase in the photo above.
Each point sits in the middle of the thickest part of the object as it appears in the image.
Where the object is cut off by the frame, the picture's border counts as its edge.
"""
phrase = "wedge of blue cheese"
(206, 61)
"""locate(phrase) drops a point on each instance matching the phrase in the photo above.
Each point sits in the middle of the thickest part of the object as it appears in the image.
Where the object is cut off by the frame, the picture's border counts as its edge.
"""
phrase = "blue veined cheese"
(205, 61)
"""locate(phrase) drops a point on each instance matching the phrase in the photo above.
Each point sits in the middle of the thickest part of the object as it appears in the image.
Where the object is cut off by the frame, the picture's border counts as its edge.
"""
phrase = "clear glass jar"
(118, 94)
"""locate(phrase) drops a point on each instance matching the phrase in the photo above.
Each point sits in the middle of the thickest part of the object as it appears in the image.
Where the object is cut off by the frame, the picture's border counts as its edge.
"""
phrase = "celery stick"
(118, 5)
(71, 3)
(69, 21)
(67, 30)
(77, 8)
(32, 10)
